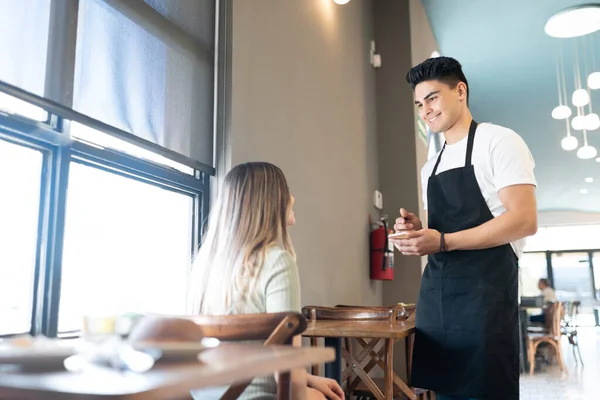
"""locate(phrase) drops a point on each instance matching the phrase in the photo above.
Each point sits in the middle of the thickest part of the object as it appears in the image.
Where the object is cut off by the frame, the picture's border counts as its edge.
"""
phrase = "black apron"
(466, 341)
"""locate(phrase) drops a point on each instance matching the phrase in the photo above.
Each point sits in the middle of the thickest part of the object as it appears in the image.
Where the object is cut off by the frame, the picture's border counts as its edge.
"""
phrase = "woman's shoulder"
(276, 255)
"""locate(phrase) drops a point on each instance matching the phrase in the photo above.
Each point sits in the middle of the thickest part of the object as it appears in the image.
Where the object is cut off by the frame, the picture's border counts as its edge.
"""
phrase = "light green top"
(279, 288)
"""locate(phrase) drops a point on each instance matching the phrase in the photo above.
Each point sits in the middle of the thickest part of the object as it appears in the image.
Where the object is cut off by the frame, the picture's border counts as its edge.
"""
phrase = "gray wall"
(398, 174)
(303, 97)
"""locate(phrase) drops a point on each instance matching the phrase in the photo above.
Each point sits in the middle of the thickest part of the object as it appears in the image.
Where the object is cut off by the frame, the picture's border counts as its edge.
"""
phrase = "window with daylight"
(106, 156)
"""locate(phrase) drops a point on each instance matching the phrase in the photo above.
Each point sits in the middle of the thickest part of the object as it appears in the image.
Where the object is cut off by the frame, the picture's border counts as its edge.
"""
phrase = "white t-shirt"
(500, 158)
(549, 294)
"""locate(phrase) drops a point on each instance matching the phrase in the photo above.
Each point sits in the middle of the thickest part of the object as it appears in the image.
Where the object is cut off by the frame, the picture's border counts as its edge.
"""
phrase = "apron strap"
(438, 160)
(472, 130)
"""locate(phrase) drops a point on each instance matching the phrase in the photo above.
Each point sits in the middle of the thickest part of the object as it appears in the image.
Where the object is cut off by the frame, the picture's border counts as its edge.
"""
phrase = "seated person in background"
(247, 265)
(549, 297)
(547, 291)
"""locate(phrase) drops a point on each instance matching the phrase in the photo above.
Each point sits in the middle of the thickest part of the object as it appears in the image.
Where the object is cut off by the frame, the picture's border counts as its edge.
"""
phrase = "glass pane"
(87, 134)
(20, 179)
(24, 33)
(127, 247)
(12, 105)
(573, 280)
(532, 267)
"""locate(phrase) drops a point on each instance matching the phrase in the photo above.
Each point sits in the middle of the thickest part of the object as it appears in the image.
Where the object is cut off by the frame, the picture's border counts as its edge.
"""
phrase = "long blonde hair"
(249, 216)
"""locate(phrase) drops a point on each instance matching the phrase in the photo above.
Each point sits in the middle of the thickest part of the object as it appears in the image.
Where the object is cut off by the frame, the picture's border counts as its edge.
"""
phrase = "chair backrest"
(273, 328)
(355, 313)
(555, 313)
(402, 310)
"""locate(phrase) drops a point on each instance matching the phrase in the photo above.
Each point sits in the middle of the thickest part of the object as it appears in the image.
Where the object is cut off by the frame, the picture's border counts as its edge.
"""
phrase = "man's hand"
(419, 243)
(407, 222)
(328, 387)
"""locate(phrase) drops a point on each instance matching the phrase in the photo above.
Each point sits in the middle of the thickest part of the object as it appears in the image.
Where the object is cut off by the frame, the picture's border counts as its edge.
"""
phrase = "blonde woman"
(247, 264)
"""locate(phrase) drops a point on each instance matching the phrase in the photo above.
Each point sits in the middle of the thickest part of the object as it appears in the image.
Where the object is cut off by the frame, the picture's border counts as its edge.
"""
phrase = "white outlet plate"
(378, 200)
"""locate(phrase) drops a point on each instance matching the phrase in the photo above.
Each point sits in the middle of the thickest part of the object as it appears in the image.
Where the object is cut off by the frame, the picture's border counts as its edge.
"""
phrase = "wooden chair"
(342, 312)
(554, 315)
(569, 329)
(273, 329)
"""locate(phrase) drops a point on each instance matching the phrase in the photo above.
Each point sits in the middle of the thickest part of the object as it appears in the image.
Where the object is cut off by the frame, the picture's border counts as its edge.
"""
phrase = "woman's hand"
(328, 387)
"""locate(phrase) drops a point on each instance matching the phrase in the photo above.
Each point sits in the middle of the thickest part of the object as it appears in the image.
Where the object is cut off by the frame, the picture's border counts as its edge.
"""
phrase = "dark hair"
(443, 69)
(544, 281)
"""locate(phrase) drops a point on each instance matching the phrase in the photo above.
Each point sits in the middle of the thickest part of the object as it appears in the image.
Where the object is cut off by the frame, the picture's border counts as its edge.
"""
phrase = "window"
(126, 247)
(573, 279)
(105, 156)
(20, 177)
(532, 267)
(560, 238)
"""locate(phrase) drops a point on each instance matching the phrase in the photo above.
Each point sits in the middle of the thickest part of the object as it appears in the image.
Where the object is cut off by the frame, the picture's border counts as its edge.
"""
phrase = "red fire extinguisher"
(382, 252)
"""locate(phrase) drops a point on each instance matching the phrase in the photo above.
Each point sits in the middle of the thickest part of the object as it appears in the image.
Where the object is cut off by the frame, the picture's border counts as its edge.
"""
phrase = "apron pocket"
(463, 304)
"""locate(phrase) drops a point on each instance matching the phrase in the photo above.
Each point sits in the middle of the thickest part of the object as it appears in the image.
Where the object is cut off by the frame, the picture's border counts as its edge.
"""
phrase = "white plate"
(176, 351)
(38, 358)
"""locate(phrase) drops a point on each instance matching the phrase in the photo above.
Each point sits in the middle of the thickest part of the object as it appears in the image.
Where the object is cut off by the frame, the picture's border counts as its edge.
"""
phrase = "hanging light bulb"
(578, 123)
(592, 122)
(561, 112)
(594, 80)
(569, 143)
(580, 98)
(587, 152)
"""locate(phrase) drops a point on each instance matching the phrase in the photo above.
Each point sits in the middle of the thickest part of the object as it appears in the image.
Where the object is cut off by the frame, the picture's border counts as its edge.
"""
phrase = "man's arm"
(518, 221)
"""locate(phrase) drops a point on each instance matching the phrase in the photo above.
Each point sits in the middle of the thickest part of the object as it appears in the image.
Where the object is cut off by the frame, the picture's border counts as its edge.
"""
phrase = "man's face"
(440, 106)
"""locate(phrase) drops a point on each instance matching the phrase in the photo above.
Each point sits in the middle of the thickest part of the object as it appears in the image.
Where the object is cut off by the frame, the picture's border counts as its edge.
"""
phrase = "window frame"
(52, 138)
(59, 152)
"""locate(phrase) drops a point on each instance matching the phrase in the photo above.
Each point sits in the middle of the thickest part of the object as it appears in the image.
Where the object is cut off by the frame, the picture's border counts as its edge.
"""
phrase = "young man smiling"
(479, 194)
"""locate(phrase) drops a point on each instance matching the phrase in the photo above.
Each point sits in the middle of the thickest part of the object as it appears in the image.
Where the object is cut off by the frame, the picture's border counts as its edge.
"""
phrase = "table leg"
(410, 344)
(333, 369)
(389, 369)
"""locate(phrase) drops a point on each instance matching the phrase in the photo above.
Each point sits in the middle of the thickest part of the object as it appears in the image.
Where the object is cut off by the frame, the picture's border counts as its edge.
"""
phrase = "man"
(547, 292)
(549, 296)
(479, 194)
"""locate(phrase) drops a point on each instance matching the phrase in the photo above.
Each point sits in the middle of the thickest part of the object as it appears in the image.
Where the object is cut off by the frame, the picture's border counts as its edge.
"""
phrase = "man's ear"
(461, 87)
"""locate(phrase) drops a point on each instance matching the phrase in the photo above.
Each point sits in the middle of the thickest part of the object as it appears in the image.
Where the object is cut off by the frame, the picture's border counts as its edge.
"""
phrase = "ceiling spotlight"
(583, 191)
(574, 21)
(589, 179)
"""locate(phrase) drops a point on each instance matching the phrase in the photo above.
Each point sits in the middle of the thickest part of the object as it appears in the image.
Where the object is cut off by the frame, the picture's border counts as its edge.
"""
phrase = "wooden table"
(335, 330)
(226, 364)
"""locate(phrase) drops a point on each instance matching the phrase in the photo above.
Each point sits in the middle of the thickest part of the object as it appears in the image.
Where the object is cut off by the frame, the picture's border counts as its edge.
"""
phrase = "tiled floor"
(578, 384)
